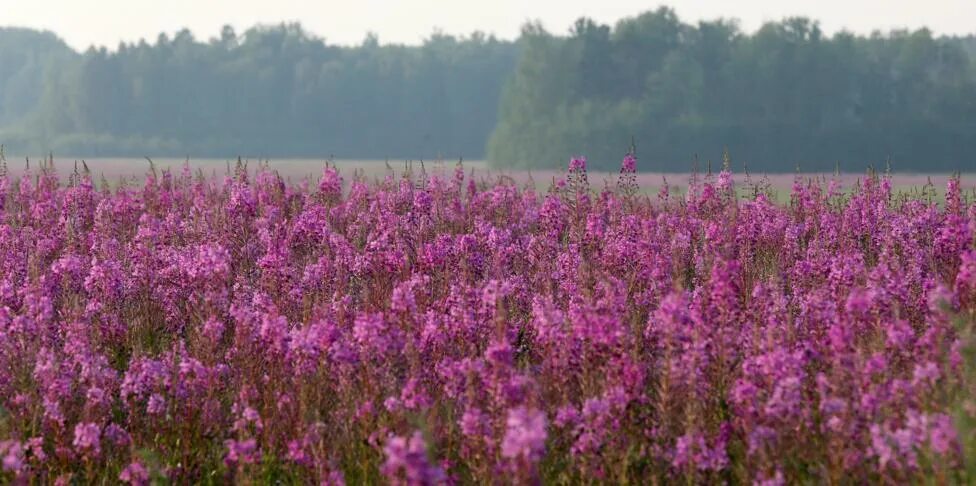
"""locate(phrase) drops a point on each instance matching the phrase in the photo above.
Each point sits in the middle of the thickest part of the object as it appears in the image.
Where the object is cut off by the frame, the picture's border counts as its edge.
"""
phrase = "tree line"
(785, 95)
(273, 91)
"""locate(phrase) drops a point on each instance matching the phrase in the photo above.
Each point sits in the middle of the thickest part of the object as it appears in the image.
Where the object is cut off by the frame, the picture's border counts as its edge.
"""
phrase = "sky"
(82, 23)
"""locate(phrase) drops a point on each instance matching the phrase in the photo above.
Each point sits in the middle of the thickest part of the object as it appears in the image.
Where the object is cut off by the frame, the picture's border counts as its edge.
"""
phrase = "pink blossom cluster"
(434, 329)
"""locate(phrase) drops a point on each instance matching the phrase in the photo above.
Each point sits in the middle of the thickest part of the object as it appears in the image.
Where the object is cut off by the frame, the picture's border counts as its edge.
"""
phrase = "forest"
(787, 95)
(272, 91)
(784, 96)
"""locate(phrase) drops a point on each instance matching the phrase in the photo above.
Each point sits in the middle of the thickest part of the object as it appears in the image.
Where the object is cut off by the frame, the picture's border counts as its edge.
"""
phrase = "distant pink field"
(297, 169)
(777, 181)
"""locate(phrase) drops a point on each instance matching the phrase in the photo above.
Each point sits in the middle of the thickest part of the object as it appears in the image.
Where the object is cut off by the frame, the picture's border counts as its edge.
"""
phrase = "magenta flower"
(241, 452)
(525, 434)
(577, 164)
(13, 456)
(629, 163)
(88, 439)
(406, 462)
(135, 473)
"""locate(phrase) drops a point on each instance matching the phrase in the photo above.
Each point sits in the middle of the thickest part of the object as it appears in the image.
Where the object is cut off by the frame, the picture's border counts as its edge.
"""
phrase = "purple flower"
(926, 373)
(629, 164)
(241, 452)
(724, 183)
(406, 462)
(331, 182)
(692, 449)
(156, 404)
(776, 480)
(213, 329)
(525, 434)
(567, 416)
(374, 336)
(966, 278)
(117, 436)
(296, 452)
(88, 439)
(475, 424)
(943, 437)
(135, 473)
(577, 164)
(13, 456)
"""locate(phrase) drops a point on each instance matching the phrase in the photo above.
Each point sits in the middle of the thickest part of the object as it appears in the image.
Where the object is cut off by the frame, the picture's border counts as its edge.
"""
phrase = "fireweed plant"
(437, 329)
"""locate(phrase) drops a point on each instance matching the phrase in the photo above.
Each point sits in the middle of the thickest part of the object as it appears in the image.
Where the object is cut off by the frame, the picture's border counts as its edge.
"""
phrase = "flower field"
(436, 329)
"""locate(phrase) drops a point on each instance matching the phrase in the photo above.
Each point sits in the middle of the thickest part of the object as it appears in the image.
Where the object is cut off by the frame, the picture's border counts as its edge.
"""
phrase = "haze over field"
(131, 172)
(521, 86)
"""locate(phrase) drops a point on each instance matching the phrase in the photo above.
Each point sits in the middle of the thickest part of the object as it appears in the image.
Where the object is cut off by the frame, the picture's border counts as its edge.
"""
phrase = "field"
(430, 325)
(131, 171)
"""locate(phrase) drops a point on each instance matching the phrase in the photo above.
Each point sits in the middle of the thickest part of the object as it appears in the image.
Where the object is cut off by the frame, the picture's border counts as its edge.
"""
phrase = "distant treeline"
(272, 91)
(783, 96)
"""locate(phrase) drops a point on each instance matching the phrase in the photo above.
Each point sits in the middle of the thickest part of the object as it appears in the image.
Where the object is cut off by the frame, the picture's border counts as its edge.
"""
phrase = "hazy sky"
(106, 22)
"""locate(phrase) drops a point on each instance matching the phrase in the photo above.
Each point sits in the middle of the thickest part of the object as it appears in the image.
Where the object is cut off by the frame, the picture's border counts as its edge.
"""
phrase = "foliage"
(675, 88)
(270, 91)
(679, 89)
